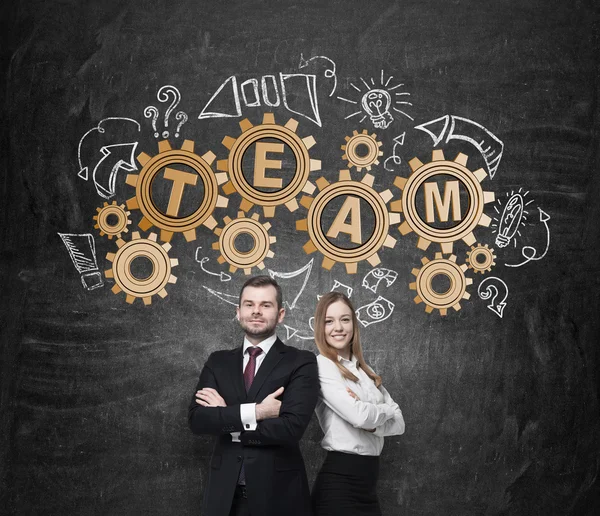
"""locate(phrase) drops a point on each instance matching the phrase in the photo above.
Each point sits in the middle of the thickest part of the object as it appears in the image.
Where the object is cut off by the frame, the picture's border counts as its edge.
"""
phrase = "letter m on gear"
(451, 197)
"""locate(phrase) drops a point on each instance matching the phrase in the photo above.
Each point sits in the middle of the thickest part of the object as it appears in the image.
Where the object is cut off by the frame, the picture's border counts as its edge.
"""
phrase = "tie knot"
(254, 351)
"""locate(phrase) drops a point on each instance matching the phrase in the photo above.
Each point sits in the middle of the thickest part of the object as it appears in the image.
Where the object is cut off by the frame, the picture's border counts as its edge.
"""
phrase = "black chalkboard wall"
(500, 398)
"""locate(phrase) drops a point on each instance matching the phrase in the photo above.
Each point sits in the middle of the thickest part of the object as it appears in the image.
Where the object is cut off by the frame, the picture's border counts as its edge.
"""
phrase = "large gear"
(471, 182)
(116, 211)
(126, 281)
(261, 242)
(481, 258)
(366, 250)
(362, 139)
(448, 268)
(286, 134)
(167, 223)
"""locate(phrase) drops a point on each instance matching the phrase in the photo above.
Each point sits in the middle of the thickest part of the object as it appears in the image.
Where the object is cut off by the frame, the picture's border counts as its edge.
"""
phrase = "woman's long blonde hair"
(355, 348)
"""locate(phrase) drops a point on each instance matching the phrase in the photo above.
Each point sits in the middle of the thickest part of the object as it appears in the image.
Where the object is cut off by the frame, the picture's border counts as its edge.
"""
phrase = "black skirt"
(347, 486)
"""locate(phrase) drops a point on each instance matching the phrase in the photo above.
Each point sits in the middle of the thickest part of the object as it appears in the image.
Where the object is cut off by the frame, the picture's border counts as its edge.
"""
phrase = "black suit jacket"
(275, 474)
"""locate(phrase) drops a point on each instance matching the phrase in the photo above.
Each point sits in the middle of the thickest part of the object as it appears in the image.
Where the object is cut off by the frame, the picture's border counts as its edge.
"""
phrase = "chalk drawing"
(225, 93)
(496, 291)
(293, 332)
(514, 215)
(394, 158)
(530, 253)
(252, 102)
(204, 259)
(306, 270)
(288, 82)
(265, 90)
(171, 95)
(329, 72)
(340, 287)
(374, 277)
(378, 101)
(458, 128)
(375, 312)
(82, 250)
(228, 298)
(226, 101)
(115, 157)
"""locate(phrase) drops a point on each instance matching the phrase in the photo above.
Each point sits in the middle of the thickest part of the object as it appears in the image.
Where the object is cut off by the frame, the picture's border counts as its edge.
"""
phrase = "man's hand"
(208, 397)
(269, 407)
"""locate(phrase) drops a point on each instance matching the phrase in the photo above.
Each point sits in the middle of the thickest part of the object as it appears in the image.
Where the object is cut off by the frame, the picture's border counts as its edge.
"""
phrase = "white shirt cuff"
(248, 416)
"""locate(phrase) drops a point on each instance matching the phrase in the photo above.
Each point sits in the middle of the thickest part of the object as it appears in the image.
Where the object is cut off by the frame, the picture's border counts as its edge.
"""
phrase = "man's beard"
(265, 332)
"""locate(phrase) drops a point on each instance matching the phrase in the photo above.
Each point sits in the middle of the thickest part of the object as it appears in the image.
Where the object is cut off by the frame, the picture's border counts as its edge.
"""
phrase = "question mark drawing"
(163, 96)
(494, 289)
(152, 112)
(183, 118)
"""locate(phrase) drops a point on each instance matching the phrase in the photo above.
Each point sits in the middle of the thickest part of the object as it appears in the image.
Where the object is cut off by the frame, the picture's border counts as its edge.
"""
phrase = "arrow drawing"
(83, 172)
(228, 298)
(398, 141)
(529, 252)
(458, 128)
(329, 72)
(293, 332)
(492, 292)
(114, 158)
(289, 275)
(202, 260)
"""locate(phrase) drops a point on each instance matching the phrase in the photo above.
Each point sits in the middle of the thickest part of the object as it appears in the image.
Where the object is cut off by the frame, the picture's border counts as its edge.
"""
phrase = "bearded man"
(257, 399)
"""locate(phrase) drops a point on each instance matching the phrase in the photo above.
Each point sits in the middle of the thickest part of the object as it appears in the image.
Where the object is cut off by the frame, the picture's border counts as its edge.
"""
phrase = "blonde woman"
(354, 411)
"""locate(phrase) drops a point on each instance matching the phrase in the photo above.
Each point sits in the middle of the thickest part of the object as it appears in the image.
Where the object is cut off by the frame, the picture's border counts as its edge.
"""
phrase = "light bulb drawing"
(377, 102)
(514, 215)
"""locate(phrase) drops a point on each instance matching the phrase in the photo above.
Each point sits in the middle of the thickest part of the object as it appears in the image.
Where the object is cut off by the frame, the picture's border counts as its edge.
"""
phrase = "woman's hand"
(352, 393)
(355, 396)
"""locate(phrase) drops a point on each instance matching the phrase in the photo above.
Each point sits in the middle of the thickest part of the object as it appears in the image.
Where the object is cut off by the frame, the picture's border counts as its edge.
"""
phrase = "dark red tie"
(249, 372)
(251, 366)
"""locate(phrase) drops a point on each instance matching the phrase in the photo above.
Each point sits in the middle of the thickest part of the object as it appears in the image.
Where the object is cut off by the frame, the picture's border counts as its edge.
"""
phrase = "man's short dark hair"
(263, 281)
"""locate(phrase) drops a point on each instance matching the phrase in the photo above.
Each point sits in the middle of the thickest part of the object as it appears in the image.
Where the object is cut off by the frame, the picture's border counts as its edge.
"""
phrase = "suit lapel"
(273, 357)
(237, 377)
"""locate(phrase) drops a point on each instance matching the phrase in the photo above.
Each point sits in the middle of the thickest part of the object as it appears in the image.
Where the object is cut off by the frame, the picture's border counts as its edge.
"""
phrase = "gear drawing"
(471, 182)
(454, 273)
(367, 140)
(249, 226)
(103, 220)
(170, 223)
(284, 134)
(155, 282)
(346, 187)
(481, 258)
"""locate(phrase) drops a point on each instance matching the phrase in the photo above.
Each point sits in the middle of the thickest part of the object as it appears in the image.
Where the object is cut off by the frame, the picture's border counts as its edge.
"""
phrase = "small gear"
(121, 216)
(477, 199)
(346, 187)
(249, 226)
(367, 140)
(169, 222)
(481, 258)
(126, 281)
(448, 268)
(285, 134)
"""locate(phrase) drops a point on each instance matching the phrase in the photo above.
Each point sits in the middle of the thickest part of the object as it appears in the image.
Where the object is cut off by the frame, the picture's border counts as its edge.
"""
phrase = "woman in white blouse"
(354, 411)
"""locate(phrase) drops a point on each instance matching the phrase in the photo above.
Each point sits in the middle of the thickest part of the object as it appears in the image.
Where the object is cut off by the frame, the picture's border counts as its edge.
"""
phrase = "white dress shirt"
(248, 410)
(345, 420)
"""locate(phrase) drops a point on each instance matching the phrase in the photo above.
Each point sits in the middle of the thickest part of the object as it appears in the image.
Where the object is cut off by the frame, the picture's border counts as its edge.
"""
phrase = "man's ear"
(281, 314)
(237, 313)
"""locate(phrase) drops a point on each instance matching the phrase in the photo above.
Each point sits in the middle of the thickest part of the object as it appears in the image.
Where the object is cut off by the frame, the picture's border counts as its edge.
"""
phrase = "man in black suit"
(258, 400)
